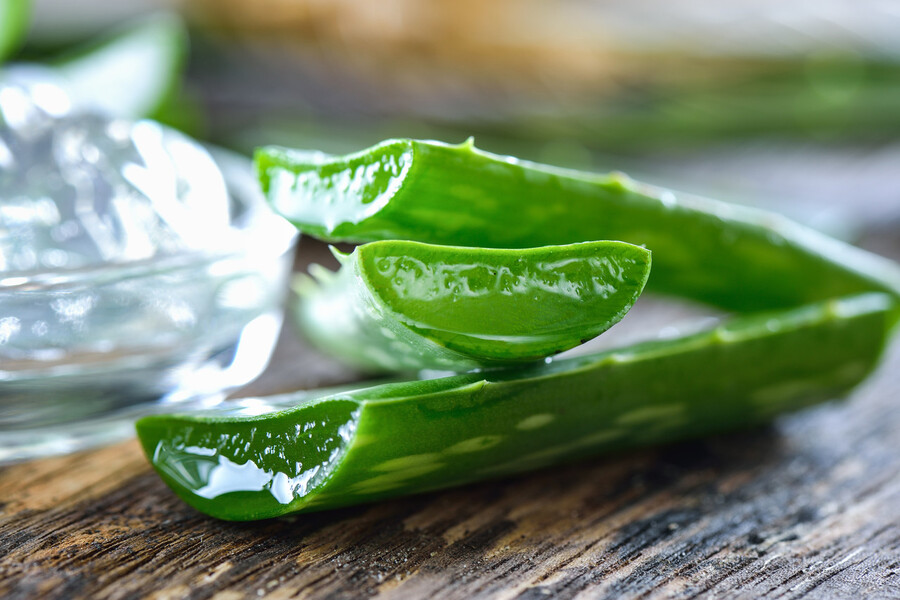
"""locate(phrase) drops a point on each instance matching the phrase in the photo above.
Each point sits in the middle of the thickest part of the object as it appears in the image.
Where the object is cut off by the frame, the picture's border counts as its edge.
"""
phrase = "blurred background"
(791, 106)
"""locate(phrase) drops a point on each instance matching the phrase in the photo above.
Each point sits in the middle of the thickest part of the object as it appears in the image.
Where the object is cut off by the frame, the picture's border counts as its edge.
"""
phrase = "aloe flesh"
(375, 442)
(398, 305)
(737, 258)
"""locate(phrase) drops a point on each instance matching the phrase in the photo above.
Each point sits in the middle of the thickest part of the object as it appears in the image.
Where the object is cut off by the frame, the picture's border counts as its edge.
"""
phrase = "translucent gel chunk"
(80, 190)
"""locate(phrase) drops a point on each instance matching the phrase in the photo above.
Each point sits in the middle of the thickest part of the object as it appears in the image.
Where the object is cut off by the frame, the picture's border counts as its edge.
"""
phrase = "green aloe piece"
(13, 24)
(398, 305)
(734, 257)
(310, 452)
(131, 74)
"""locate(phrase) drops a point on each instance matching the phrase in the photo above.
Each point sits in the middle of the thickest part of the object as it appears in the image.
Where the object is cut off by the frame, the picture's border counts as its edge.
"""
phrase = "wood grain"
(808, 507)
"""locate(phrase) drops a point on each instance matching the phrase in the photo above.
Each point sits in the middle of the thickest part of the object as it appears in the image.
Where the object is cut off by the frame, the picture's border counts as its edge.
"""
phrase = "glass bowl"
(83, 352)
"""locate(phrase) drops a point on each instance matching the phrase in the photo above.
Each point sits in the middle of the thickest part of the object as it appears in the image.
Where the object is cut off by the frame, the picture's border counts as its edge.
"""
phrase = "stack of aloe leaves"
(486, 266)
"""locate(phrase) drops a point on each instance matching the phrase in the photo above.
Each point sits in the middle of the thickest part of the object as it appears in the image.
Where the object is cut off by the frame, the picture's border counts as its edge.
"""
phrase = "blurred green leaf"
(13, 24)
(132, 74)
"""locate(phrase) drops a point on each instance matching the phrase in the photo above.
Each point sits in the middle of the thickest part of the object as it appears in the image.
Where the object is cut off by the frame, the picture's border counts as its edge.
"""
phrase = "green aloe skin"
(827, 311)
(734, 257)
(347, 447)
(13, 24)
(398, 305)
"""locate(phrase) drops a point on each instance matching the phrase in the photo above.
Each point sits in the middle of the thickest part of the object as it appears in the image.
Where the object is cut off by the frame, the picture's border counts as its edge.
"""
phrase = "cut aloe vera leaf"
(132, 75)
(737, 258)
(398, 305)
(296, 453)
(13, 24)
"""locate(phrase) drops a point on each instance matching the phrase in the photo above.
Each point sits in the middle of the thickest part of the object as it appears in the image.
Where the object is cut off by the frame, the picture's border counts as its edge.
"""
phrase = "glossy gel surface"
(399, 305)
(134, 271)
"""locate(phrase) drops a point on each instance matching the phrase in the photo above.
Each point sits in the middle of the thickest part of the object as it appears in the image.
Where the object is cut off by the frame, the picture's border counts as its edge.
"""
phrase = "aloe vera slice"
(309, 452)
(13, 23)
(398, 305)
(734, 257)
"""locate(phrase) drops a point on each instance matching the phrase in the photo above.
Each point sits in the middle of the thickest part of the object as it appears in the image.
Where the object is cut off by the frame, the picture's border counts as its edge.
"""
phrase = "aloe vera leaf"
(734, 257)
(310, 452)
(13, 24)
(398, 305)
(131, 74)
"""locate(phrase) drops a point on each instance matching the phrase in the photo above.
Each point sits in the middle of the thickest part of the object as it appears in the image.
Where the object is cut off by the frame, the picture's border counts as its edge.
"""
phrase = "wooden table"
(808, 507)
